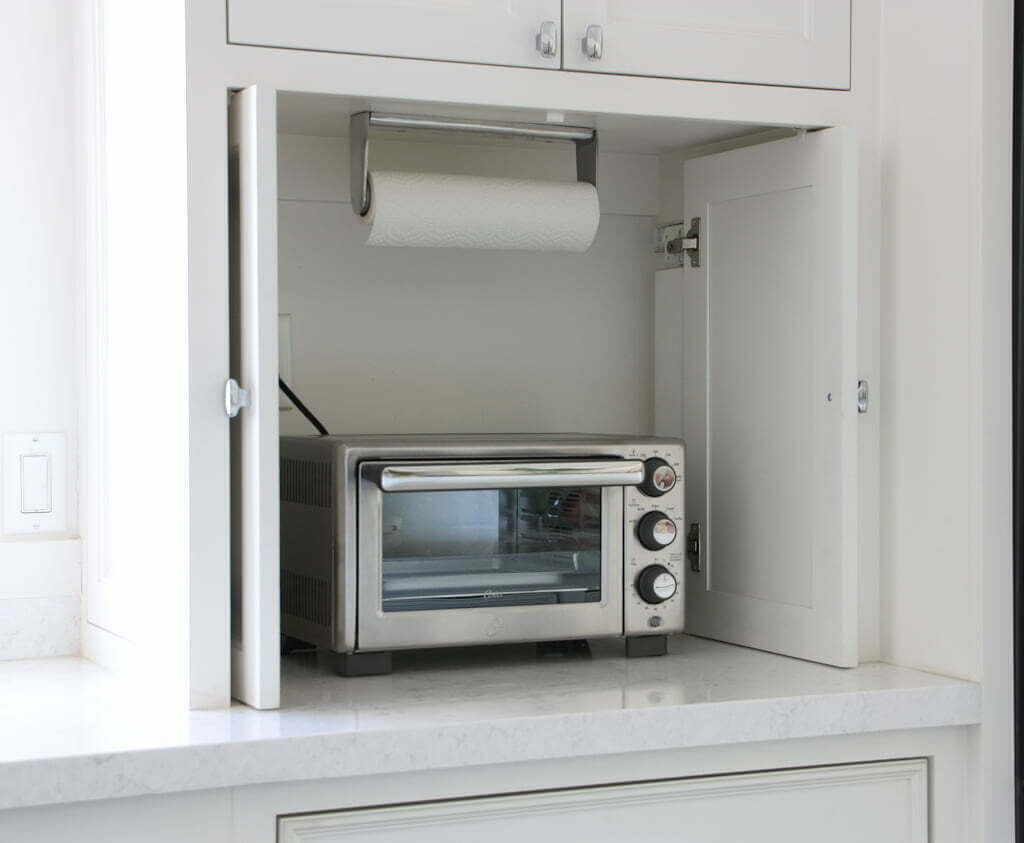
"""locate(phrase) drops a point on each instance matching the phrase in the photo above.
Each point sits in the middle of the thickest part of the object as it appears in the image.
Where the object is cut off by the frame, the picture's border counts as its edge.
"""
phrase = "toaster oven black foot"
(642, 646)
(363, 664)
(575, 649)
(291, 645)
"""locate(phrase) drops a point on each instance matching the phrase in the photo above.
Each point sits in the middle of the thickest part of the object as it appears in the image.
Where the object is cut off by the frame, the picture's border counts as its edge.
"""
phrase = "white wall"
(40, 582)
(433, 340)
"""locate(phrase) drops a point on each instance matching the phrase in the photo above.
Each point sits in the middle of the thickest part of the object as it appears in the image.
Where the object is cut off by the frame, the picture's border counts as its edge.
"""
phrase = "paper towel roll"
(469, 212)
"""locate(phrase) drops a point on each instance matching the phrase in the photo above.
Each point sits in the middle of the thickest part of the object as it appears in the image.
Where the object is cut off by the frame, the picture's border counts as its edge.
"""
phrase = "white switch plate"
(31, 483)
(284, 357)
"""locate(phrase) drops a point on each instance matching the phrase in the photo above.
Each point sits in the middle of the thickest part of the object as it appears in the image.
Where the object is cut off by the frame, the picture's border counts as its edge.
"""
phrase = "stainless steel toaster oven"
(405, 542)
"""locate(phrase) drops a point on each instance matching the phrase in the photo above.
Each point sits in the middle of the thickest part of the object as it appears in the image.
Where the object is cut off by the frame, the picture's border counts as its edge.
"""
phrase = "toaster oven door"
(470, 553)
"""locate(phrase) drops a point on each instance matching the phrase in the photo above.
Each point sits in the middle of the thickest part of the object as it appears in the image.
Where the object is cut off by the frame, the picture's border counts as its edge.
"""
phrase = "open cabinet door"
(255, 609)
(756, 367)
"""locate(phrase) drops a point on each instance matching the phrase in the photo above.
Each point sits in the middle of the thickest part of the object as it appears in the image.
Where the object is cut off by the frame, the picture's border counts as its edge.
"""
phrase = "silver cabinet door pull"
(593, 42)
(547, 39)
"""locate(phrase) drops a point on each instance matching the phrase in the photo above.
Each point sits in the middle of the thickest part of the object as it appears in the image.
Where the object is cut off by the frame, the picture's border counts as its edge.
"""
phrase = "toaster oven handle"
(446, 476)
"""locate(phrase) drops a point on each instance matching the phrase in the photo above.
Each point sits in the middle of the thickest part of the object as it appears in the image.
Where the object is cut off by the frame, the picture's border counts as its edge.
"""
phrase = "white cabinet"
(803, 43)
(761, 385)
(881, 802)
(480, 31)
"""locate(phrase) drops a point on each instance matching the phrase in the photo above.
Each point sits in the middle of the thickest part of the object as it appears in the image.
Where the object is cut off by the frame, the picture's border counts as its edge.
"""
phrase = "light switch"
(35, 483)
(35, 493)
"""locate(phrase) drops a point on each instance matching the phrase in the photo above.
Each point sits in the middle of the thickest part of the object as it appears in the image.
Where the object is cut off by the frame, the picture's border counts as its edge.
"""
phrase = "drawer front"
(803, 43)
(479, 31)
(884, 802)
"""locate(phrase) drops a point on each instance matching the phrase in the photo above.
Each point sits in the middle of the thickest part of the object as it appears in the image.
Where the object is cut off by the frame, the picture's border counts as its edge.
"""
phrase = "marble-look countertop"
(71, 731)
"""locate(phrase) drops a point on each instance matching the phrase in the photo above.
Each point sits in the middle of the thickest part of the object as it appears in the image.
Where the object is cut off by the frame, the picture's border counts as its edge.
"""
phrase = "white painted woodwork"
(203, 816)
(480, 31)
(249, 813)
(884, 803)
(766, 381)
(963, 173)
(636, 105)
(804, 43)
(257, 808)
(327, 115)
(255, 646)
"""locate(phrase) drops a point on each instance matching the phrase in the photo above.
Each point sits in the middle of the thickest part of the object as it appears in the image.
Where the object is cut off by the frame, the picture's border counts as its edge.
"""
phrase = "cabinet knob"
(547, 39)
(593, 42)
(235, 398)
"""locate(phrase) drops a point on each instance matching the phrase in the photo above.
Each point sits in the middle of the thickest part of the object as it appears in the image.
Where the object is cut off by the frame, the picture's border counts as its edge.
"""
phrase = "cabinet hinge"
(674, 243)
(693, 546)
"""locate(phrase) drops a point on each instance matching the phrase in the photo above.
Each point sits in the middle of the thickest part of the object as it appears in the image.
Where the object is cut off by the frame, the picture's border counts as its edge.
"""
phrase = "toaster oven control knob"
(656, 584)
(659, 478)
(656, 531)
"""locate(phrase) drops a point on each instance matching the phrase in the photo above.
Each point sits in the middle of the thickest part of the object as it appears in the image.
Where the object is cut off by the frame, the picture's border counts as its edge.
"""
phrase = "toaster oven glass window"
(497, 547)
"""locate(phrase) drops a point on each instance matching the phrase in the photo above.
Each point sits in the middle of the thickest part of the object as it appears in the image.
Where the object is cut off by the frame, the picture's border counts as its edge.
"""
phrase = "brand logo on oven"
(493, 595)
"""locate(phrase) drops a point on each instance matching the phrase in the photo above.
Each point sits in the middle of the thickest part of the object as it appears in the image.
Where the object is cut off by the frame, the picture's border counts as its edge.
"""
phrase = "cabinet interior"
(404, 340)
(418, 340)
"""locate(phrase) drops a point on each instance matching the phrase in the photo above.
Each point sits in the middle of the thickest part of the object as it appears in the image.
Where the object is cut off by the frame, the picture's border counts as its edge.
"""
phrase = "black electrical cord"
(1018, 410)
(302, 408)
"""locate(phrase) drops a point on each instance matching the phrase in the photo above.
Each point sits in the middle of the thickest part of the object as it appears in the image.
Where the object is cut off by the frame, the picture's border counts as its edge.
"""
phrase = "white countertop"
(71, 731)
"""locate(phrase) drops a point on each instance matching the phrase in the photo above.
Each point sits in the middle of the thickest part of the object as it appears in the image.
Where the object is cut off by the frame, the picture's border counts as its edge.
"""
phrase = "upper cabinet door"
(760, 354)
(803, 43)
(525, 33)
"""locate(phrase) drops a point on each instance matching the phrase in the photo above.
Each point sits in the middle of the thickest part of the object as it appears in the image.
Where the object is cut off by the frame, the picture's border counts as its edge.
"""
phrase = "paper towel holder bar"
(361, 123)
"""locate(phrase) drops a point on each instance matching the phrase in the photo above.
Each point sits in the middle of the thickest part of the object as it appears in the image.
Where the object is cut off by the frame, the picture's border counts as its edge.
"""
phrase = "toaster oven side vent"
(307, 482)
(306, 597)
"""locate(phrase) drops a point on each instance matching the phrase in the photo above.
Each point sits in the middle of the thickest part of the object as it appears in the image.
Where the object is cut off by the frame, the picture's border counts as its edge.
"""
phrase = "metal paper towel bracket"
(361, 123)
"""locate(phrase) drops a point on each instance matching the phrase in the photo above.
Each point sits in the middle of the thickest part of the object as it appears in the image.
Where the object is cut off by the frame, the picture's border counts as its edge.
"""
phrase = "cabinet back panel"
(430, 340)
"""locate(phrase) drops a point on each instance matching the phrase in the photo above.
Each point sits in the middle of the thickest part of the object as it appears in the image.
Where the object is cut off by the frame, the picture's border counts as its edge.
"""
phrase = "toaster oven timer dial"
(659, 478)
(656, 584)
(656, 531)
